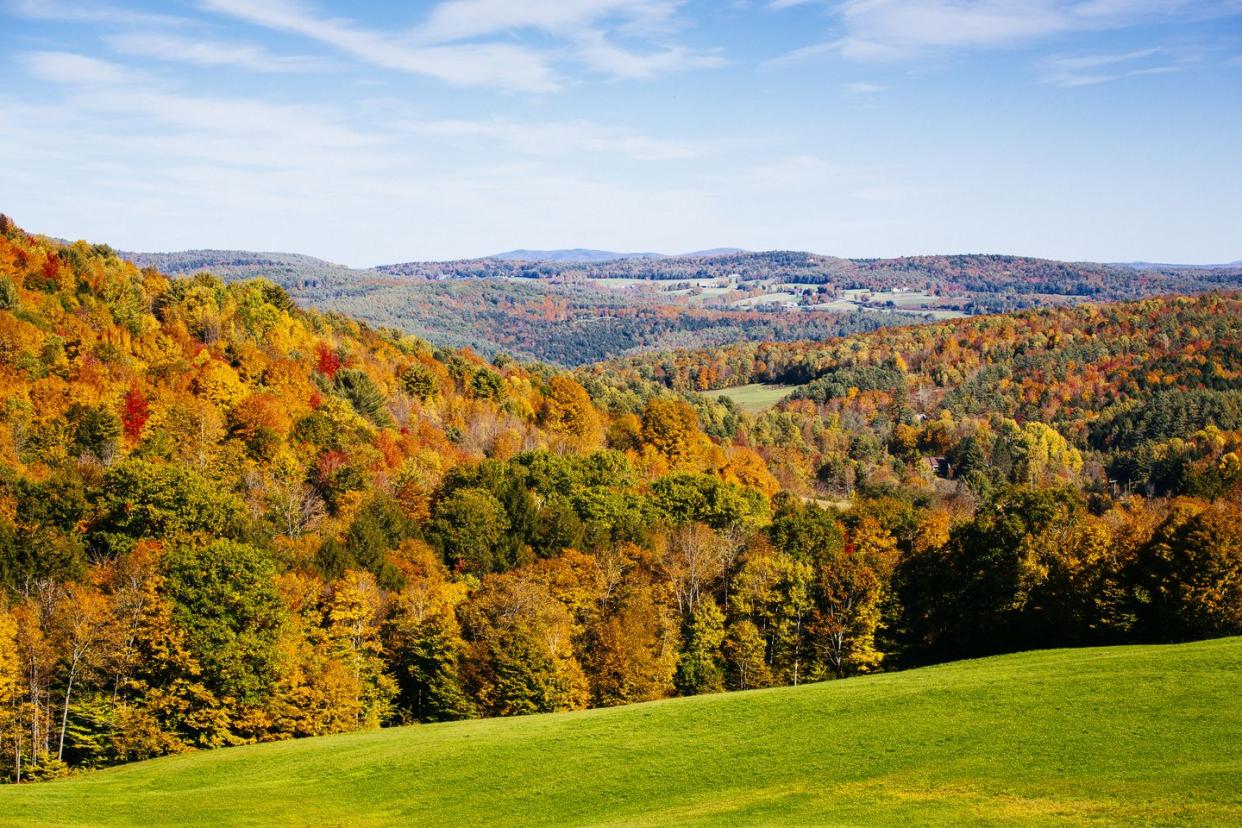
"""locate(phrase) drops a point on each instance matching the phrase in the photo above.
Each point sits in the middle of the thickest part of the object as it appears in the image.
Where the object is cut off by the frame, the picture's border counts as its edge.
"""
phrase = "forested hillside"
(574, 312)
(289, 270)
(225, 519)
(970, 273)
(550, 321)
(1137, 386)
(571, 325)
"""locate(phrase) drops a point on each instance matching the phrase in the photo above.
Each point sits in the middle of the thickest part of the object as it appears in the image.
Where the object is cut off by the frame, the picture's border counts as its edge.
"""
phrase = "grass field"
(1126, 735)
(754, 397)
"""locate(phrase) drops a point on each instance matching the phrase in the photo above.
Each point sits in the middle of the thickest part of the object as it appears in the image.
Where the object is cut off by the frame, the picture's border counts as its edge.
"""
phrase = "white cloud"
(1088, 70)
(258, 132)
(71, 68)
(902, 29)
(486, 64)
(459, 19)
(88, 12)
(154, 160)
(864, 88)
(1093, 61)
(447, 44)
(200, 52)
(595, 50)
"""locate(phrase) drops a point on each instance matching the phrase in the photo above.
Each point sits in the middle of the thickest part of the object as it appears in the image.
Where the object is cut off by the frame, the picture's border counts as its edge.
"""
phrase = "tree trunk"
(64, 716)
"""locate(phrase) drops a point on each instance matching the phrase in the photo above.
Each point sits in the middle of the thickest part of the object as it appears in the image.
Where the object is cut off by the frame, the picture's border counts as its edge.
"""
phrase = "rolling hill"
(290, 270)
(581, 255)
(1110, 736)
(571, 307)
(576, 254)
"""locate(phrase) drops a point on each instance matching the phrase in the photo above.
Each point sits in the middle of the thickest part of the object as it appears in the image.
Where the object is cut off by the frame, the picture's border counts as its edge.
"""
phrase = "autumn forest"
(227, 519)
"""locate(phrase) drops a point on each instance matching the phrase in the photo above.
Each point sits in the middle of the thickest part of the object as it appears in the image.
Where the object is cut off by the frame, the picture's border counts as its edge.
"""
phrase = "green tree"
(225, 599)
(469, 526)
(420, 381)
(701, 669)
(163, 502)
(363, 394)
(746, 654)
(1188, 577)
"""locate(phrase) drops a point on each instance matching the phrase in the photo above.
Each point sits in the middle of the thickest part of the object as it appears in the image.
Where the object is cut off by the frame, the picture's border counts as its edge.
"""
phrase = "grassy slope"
(1118, 735)
(754, 397)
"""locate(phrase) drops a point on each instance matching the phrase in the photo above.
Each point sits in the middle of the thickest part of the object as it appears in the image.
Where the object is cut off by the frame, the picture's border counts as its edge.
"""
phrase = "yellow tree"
(569, 416)
(354, 630)
(11, 730)
(82, 624)
(852, 584)
(671, 428)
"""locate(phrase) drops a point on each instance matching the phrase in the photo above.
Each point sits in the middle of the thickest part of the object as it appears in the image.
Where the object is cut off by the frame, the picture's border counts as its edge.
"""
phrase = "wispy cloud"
(452, 43)
(904, 29)
(605, 57)
(89, 12)
(212, 53)
(1088, 70)
(76, 70)
(257, 131)
(503, 65)
(461, 19)
(151, 145)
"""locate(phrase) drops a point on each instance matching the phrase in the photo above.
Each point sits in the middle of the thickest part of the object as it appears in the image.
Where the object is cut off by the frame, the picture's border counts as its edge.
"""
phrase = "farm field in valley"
(755, 396)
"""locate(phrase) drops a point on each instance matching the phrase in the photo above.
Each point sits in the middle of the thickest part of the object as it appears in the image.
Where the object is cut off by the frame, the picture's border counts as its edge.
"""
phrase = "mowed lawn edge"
(1120, 735)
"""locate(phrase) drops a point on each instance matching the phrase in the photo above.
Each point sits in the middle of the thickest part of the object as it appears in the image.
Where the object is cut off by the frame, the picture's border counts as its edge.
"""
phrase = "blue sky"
(371, 132)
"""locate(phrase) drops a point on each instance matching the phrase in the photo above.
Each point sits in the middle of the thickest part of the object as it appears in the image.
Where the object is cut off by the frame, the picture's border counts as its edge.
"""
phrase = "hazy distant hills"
(997, 282)
(288, 269)
(973, 273)
(605, 307)
(579, 254)
(1167, 265)
(576, 254)
(993, 283)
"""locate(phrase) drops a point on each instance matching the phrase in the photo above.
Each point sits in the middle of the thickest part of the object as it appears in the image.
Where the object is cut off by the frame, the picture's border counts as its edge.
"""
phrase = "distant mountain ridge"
(575, 254)
(1174, 265)
(981, 275)
(580, 254)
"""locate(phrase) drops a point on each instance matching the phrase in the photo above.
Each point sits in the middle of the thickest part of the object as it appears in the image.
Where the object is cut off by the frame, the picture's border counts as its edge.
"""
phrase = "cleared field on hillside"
(1124, 735)
(754, 397)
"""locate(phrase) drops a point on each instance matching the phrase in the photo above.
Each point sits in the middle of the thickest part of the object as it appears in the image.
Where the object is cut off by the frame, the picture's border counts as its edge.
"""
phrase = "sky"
(370, 132)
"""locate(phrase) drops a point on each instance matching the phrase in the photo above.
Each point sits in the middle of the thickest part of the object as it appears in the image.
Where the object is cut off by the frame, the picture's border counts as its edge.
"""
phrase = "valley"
(620, 413)
(572, 313)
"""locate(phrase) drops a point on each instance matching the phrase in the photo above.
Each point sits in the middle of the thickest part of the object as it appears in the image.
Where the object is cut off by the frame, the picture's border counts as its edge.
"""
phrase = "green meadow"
(1106, 736)
(754, 397)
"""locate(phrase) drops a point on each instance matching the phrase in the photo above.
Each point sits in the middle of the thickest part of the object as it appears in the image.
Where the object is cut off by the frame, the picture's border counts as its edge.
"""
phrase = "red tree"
(329, 362)
(135, 411)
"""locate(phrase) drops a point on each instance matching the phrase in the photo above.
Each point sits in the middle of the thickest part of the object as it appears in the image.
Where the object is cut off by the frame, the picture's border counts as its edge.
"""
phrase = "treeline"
(224, 520)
